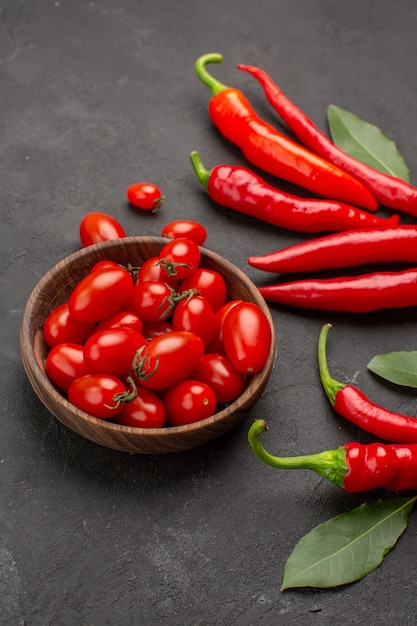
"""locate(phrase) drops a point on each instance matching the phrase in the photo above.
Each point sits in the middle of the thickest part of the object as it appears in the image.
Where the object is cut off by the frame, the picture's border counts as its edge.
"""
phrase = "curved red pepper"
(391, 191)
(346, 249)
(354, 294)
(273, 152)
(350, 403)
(354, 467)
(242, 190)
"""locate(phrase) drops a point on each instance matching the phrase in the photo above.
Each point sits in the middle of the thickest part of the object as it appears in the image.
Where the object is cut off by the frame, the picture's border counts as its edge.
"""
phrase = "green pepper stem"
(330, 464)
(200, 171)
(202, 73)
(330, 385)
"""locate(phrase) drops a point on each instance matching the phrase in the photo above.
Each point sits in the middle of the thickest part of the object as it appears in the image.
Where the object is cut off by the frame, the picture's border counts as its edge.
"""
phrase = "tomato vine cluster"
(154, 346)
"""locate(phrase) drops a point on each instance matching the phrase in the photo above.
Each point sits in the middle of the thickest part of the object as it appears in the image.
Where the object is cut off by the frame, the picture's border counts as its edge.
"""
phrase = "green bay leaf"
(365, 142)
(349, 546)
(396, 367)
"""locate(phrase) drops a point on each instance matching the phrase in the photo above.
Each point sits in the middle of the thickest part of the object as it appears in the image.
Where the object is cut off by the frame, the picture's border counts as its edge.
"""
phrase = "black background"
(98, 95)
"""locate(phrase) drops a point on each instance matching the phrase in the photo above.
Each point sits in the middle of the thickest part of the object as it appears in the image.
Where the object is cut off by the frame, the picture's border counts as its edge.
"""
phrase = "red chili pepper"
(391, 191)
(353, 467)
(347, 249)
(265, 147)
(353, 405)
(242, 190)
(354, 294)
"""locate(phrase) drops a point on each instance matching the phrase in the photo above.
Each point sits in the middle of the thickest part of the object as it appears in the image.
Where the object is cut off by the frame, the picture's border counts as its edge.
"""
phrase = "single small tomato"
(209, 283)
(145, 196)
(112, 351)
(155, 329)
(168, 359)
(96, 227)
(247, 337)
(61, 327)
(151, 300)
(100, 294)
(181, 257)
(99, 395)
(185, 228)
(216, 343)
(217, 371)
(188, 402)
(65, 363)
(121, 319)
(196, 315)
(104, 265)
(146, 411)
(152, 269)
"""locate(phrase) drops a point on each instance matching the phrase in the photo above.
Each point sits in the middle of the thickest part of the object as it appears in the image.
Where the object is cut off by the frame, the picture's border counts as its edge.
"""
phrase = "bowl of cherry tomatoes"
(147, 345)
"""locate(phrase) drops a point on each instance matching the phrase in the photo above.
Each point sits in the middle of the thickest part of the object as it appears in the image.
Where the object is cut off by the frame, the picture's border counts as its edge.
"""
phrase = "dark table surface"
(97, 95)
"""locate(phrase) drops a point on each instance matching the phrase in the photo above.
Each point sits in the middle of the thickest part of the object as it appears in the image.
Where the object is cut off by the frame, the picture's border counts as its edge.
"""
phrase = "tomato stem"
(141, 366)
(123, 397)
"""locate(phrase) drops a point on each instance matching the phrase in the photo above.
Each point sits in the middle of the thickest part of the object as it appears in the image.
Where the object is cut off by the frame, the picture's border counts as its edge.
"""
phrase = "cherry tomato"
(217, 371)
(151, 300)
(151, 269)
(154, 329)
(188, 402)
(61, 327)
(181, 257)
(104, 265)
(100, 294)
(196, 315)
(168, 359)
(96, 227)
(112, 351)
(145, 196)
(146, 411)
(247, 337)
(65, 363)
(185, 228)
(216, 343)
(100, 395)
(209, 283)
(121, 319)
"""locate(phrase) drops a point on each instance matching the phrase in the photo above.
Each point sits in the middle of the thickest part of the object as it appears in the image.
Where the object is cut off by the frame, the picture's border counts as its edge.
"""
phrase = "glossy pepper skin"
(346, 249)
(354, 294)
(354, 467)
(350, 403)
(390, 191)
(242, 190)
(273, 152)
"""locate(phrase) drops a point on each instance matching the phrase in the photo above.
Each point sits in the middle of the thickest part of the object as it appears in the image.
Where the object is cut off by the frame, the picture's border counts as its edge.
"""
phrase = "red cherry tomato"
(121, 319)
(216, 343)
(154, 329)
(209, 283)
(61, 327)
(112, 351)
(100, 294)
(188, 402)
(196, 315)
(100, 395)
(185, 228)
(181, 257)
(65, 363)
(96, 227)
(247, 337)
(168, 359)
(146, 411)
(104, 265)
(145, 196)
(151, 300)
(217, 371)
(151, 269)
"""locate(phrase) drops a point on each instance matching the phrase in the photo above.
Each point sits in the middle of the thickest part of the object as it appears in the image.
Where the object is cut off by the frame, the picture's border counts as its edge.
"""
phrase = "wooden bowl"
(54, 289)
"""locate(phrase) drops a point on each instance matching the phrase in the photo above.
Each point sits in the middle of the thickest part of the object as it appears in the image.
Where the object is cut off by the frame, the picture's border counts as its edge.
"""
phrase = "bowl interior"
(54, 289)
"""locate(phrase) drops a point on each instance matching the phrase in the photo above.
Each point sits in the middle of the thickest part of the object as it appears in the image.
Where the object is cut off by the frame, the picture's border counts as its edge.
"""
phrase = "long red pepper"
(353, 405)
(273, 152)
(347, 249)
(242, 190)
(354, 294)
(354, 467)
(391, 191)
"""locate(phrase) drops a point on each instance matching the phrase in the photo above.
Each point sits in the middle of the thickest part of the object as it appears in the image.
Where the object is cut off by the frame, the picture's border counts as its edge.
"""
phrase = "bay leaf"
(365, 142)
(396, 367)
(349, 546)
